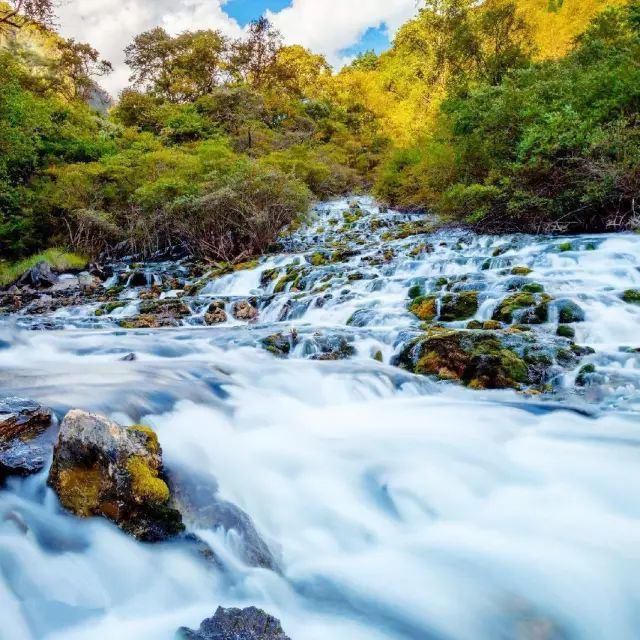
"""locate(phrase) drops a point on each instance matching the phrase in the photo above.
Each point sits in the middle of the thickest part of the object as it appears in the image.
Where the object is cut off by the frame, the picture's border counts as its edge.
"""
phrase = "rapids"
(398, 507)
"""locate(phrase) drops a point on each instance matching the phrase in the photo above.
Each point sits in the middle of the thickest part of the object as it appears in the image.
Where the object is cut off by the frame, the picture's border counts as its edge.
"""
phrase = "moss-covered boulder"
(569, 311)
(103, 469)
(479, 359)
(148, 321)
(631, 296)
(424, 308)
(521, 271)
(279, 344)
(458, 306)
(523, 307)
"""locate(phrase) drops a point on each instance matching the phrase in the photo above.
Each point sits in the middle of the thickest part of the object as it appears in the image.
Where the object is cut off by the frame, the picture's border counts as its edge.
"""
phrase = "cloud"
(330, 26)
(110, 25)
(325, 26)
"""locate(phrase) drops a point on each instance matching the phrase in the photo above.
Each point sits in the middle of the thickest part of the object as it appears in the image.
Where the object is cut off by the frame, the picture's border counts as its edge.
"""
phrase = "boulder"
(244, 310)
(458, 306)
(22, 450)
(237, 624)
(569, 311)
(39, 276)
(103, 469)
(215, 313)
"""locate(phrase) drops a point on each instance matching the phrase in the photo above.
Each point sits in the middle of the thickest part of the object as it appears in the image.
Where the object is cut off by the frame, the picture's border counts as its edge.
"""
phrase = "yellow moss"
(424, 308)
(145, 482)
(79, 490)
(152, 439)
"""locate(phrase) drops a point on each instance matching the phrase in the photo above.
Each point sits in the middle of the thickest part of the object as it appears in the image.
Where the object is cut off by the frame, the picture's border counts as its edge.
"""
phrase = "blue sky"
(375, 38)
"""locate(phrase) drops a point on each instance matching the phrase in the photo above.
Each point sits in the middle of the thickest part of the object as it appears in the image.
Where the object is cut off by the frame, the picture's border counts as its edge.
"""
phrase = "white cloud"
(326, 26)
(329, 26)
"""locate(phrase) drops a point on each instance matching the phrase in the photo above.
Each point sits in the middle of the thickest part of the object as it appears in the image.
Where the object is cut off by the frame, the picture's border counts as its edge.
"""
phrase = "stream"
(398, 506)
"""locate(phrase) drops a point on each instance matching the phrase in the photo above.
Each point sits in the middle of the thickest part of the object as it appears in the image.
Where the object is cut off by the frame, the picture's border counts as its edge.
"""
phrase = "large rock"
(244, 310)
(103, 469)
(39, 276)
(22, 450)
(237, 624)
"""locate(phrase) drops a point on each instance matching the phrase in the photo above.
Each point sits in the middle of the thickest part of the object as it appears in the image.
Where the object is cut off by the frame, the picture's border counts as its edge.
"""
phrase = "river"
(398, 507)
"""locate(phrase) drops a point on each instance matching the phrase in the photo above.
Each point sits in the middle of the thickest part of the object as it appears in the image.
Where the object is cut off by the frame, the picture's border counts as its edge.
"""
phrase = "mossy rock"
(529, 309)
(569, 311)
(631, 296)
(585, 375)
(424, 308)
(521, 271)
(564, 247)
(478, 359)
(278, 344)
(563, 331)
(102, 469)
(415, 291)
(532, 287)
(171, 307)
(458, 306)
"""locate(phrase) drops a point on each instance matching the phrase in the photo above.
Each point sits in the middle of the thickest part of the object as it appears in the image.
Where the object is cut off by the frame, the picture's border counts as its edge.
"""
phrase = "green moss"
(565, 246)
(566, 332)
(79, 490)
(416, 291)
(152, 443)
(318, 259)
(424, 308)
(631, 296)
(521, 271)
(145, 483)
(533, 287)
(459, 306)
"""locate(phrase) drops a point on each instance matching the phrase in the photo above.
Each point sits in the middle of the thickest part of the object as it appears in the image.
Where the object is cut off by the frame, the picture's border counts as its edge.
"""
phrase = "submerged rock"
(237, 624)
(103, 469)
(22, 451)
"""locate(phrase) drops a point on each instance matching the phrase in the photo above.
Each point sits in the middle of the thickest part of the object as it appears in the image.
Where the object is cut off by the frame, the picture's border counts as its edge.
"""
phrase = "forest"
(504, 116)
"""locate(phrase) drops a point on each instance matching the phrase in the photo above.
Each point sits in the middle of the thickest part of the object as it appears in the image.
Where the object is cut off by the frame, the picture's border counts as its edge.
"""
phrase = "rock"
(458, 306)
(479, 359)
(521, 271)
(525, 308)
(87, 282)
(237, 624)
(244, 310)
(166, 308)
(130, 357)
(332, 348)
(278, 344)
(20, 418)
(196, 497)
(22, 450)
(569, 311)
(103, 469)
(39, 276)
(146, 321)
(566, 332)
(424, 308)
(138, 279)
(631, 296)
(215, 313)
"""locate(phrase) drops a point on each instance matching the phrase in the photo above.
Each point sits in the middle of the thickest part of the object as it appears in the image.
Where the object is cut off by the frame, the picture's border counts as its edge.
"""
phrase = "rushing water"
(397, 507)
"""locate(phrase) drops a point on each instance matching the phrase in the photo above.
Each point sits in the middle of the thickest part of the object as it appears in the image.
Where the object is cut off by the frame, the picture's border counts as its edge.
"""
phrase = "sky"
(339, 29)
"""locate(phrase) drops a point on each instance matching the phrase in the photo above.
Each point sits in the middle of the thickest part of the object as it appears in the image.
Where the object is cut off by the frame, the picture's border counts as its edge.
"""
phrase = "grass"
(58, 259)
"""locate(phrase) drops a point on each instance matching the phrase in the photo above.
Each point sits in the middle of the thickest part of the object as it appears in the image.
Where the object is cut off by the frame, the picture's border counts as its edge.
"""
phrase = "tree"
(76, 67)
(181, 68)
(254, 56)
(299, 72)
(14, 14)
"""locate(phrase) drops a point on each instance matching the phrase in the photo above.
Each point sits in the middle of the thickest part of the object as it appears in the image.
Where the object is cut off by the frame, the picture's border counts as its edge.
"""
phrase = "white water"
(399, 508)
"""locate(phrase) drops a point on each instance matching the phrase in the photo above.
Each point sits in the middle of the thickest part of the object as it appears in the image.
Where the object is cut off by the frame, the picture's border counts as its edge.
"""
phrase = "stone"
(40, 276)
(103, 469)
(569, 311)
(237, 624)
(22, 449)
(244, 310)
